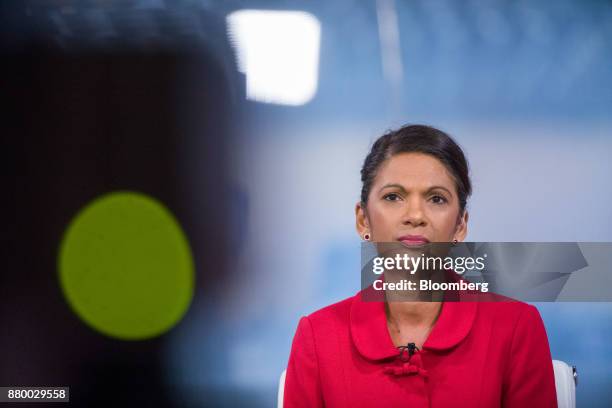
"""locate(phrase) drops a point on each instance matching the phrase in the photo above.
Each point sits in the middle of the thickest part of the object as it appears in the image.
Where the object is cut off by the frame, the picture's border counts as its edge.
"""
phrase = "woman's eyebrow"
(394, 185)
(441, 188)
(400, 187)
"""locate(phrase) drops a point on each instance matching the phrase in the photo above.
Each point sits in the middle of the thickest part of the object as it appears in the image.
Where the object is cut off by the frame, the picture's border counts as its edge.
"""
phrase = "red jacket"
(478, 354)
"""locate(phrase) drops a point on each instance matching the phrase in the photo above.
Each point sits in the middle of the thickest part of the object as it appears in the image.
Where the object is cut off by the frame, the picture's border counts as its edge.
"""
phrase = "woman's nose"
(414, 214)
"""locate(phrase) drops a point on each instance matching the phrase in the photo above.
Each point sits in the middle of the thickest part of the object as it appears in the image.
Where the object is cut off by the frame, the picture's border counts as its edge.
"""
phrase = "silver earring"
(455, 242)
(366, 236)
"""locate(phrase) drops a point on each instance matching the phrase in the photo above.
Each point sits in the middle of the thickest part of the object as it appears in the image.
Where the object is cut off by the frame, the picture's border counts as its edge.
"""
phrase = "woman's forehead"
(414, 170)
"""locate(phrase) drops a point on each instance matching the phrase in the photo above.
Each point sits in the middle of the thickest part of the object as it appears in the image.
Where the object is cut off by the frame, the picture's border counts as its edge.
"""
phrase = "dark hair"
(419, 139)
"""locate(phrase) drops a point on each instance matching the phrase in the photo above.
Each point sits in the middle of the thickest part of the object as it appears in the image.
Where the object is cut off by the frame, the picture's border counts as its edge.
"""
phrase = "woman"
(418, 354)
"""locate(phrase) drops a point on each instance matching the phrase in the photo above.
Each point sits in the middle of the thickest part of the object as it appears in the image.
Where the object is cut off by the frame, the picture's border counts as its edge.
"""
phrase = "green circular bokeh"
(125, 266)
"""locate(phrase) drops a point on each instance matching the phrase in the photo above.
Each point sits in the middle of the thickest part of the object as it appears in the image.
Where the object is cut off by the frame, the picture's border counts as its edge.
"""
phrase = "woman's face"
(412, 199)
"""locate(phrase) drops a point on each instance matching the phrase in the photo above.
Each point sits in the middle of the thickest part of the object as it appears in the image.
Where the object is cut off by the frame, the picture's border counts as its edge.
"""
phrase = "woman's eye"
(438, 199)
(391, 197)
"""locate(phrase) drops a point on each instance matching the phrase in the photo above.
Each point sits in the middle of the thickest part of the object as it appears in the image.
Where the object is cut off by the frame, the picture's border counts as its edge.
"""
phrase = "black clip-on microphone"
(410, 347)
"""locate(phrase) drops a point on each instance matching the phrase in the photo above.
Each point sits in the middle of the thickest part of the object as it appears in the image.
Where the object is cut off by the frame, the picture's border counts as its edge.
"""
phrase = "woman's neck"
(414, 294)
(413, 313)
(411, 322)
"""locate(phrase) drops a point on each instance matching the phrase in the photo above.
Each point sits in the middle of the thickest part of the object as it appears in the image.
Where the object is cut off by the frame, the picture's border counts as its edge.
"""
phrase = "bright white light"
(279, 53)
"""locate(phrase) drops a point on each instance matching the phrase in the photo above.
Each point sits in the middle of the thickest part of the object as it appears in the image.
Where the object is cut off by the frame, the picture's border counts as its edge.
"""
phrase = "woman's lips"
(413, 240)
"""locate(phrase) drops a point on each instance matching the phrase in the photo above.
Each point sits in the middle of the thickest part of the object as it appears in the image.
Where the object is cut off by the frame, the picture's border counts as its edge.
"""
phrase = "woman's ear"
(462, 228)
(361, 220)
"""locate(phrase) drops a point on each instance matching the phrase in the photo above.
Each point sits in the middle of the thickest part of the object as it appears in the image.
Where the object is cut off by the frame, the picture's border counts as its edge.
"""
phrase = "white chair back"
(281, 389)
(566, 380)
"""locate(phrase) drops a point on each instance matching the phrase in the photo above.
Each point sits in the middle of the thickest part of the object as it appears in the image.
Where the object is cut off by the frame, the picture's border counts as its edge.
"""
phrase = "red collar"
(368, 325)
